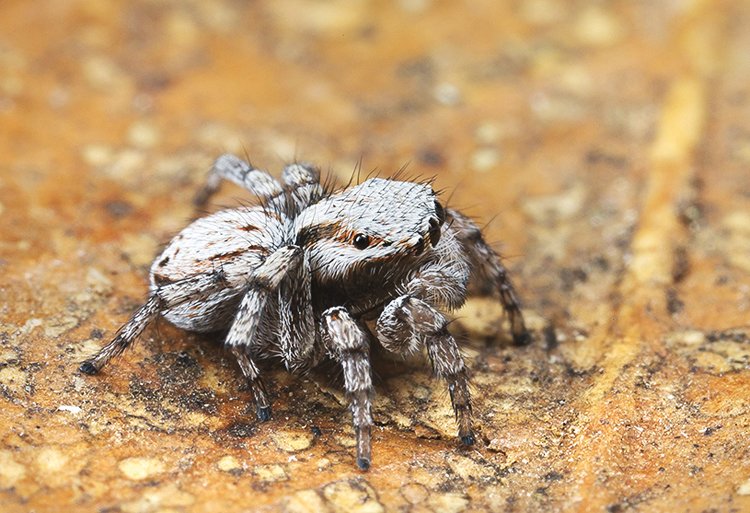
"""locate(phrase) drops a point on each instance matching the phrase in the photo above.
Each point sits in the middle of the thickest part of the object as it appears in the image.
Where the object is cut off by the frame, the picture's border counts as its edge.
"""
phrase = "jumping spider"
(313, 273)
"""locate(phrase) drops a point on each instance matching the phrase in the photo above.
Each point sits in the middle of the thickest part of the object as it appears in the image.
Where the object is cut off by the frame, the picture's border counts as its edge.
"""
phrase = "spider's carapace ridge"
(312, 273)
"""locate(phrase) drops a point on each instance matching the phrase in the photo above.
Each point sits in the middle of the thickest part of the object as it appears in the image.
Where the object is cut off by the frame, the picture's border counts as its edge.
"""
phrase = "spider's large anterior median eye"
(361, 241)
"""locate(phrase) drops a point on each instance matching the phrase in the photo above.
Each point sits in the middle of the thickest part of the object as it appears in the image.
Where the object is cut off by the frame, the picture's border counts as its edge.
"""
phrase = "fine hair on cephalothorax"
(313, 273)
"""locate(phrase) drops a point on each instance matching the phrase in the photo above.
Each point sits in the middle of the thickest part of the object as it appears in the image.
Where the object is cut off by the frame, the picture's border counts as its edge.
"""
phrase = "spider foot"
(89, 368)
(522, 338)
(363, 447)
(467, 439)
(263, 413)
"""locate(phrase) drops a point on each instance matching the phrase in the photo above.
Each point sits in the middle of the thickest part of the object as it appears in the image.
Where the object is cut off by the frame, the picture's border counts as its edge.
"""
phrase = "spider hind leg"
(489, 271)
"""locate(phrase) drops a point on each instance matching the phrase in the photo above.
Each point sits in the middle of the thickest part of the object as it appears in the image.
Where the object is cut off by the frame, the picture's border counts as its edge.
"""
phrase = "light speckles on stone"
(336, 16)
(30, 324)
(483, 318)
(50, 460)
(11, 472)
(102, 73)
(689, 338)
(421, 392)
(143, 135)
(229, 464)
(305, 501)
(425, 432)
(447, 94)
(126, 164)
(214, 135)
(96, 154)
(722, 354)
(8, 356)
(69, 408)
(744, 488)
(97, 281)
(282, 146)
(165, 499)
(542, 12)
(181, 28)
(485, 159)
(197, 419)
(490, 132)
(480, 317)
(414, 6)
(469, 469)
(554, 107)
(139, 468)
(270, 473)
(346, 440)
(59, 325)
(448, 502)
(13, 379)
(291, 441)
(737, 244)
(352, 496)
(414, 493)
(556, 207)
(598, 27)
(139, 247)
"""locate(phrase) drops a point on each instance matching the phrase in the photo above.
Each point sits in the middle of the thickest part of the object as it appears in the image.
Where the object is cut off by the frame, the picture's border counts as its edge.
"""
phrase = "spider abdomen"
(229, 245)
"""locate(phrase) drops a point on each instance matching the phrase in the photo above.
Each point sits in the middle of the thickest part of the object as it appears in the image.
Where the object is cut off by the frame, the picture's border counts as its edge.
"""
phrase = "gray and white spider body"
(312, 274)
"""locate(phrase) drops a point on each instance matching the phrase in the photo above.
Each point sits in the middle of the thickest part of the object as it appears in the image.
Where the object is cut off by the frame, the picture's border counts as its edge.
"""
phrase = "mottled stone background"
(608, 142)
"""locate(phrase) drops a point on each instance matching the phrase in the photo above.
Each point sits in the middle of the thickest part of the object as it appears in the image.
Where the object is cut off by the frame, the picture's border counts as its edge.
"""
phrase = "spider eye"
(440, 211)
(361, 241)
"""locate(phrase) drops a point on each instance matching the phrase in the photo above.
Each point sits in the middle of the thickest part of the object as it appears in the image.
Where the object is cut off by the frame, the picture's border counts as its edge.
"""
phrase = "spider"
(312, 273)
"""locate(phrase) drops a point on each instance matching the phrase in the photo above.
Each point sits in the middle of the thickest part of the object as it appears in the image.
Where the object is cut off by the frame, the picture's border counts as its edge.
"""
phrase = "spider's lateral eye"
(361, 241)
(440, 211)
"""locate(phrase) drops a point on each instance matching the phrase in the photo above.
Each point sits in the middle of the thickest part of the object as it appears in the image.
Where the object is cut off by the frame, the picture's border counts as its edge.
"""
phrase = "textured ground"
(611, 140)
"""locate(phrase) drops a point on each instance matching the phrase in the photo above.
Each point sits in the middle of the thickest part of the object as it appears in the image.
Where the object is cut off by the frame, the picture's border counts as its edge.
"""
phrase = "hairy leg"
(408, 322)
(263, 284)
(162, 298)
(234, 169)
(296, 324)
(302, 188)
(444, 280)
(348, 343)
(488, 268)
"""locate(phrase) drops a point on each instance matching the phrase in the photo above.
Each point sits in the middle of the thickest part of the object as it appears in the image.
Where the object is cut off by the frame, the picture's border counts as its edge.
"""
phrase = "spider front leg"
(348, 343)
(489, 272)
(408, 322)
(264, 283)
(162, 298)
(234, 169)
(296, 326)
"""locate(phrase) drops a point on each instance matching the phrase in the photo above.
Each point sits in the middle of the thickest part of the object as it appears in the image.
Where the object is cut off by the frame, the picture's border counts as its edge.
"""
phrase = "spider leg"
(296, 324)
(264, 282)
(234, 169)
(298, 175)
(408, 322)
(348, 343)
(489, 270)
(162, 298)
(302, 186)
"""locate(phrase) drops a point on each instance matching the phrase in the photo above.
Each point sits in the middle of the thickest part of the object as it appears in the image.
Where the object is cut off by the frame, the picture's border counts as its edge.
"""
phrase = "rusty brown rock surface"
(610, 139)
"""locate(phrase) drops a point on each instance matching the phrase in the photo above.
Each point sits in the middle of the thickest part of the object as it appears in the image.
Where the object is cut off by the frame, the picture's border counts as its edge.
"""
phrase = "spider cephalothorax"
(312, 273)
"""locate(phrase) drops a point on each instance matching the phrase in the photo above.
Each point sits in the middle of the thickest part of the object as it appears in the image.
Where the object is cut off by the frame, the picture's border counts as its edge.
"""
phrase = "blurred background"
(604, 143)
